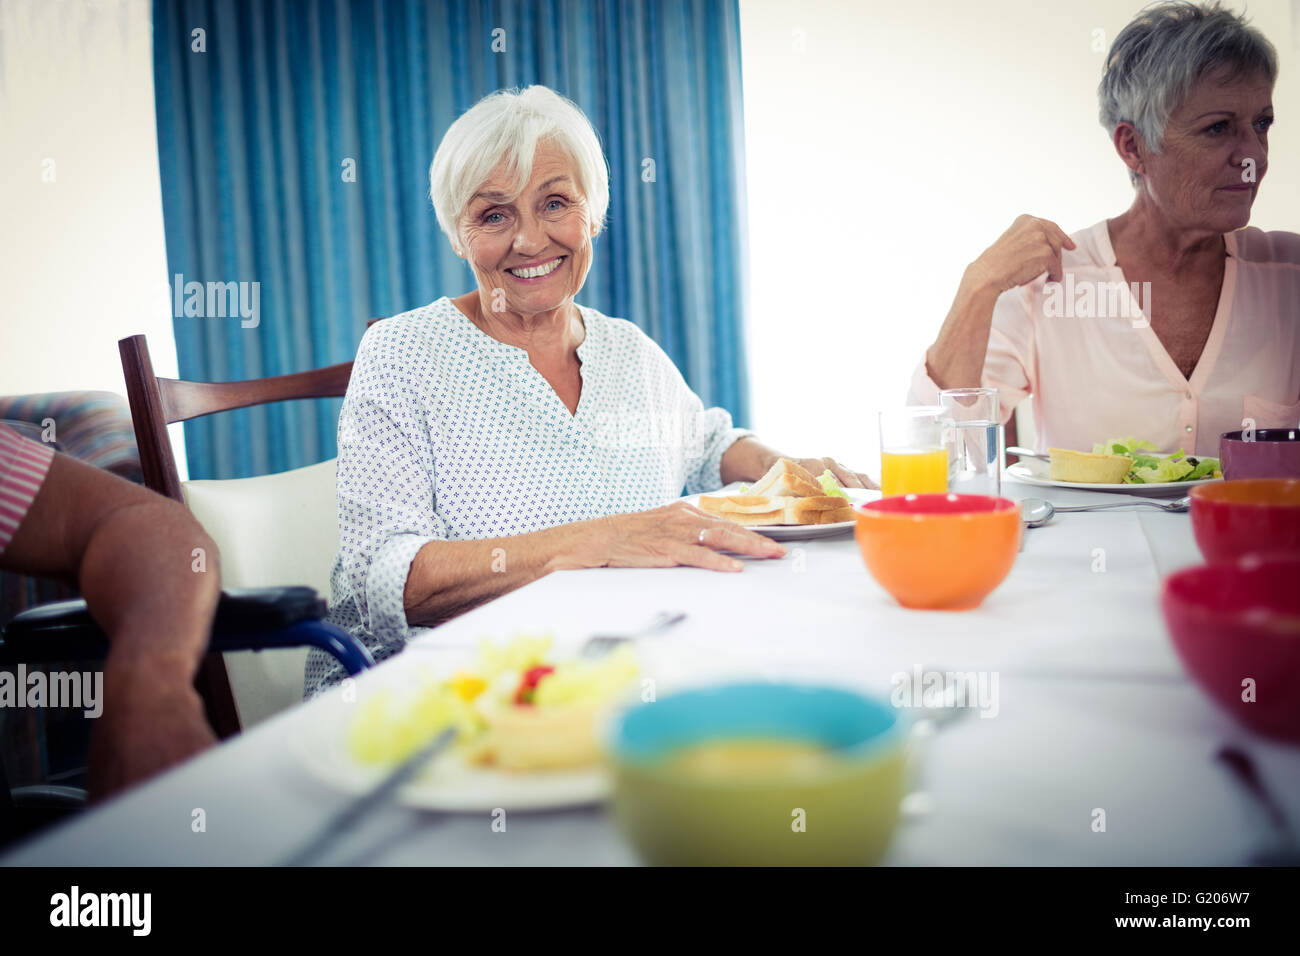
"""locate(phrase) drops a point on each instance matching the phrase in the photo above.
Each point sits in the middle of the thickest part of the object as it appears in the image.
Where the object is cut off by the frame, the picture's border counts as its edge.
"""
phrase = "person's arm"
(131, 553)
(450, 577)
(717, 454)
(749, 459)
(1025, 251)
(956, 359)
(397, 568)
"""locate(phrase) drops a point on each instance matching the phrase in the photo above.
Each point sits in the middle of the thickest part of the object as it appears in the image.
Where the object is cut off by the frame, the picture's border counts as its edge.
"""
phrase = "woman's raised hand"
(676, 534)
(1025, 251)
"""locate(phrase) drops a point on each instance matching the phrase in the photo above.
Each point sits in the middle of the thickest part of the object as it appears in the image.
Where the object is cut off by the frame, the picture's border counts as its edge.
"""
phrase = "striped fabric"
(23, 465)
(94, 427)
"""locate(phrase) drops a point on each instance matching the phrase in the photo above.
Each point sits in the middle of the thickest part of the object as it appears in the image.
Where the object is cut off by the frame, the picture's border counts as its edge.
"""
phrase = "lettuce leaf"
(1150, 468)
(830, 486)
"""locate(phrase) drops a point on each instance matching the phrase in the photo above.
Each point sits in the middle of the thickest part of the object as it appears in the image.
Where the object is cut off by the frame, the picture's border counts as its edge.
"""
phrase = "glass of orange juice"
(914, 450)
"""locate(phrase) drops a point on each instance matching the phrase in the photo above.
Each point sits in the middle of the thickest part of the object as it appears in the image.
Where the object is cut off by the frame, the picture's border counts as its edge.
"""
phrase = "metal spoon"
(1027, 453)
(1038, 511)
(600, 644)
(918, 804)
(357, 810)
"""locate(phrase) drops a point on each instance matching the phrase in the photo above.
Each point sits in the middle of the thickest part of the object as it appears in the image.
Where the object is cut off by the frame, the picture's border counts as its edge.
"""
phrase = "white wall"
(82, 258)
(888, 145)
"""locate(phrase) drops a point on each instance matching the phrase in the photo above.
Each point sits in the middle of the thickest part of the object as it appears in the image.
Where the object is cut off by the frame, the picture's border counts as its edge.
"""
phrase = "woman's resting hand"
(676, 534)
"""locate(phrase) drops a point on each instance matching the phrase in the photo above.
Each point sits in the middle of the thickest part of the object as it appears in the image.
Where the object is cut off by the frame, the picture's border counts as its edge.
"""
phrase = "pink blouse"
(1084, 353)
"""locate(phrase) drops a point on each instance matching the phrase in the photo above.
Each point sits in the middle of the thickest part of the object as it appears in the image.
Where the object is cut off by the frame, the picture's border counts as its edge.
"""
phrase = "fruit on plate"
(1101, 469)
(515, 709)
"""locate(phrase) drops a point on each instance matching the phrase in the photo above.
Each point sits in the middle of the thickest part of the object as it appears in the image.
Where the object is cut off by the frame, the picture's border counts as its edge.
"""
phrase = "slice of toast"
(787, 478)
(819, 509)
(757, 510)
(748, 510)
(835, 515)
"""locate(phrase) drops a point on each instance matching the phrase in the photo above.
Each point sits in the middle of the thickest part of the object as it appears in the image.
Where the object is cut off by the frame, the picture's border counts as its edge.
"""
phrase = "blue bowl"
(842, 813)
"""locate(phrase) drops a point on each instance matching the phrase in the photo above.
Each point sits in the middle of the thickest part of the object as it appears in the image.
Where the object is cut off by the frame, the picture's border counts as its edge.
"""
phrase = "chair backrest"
(158, 402)
(271, 530)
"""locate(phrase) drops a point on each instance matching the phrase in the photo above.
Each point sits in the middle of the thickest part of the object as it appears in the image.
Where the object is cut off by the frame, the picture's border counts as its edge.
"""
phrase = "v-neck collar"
(512, 358)
(1218, 330)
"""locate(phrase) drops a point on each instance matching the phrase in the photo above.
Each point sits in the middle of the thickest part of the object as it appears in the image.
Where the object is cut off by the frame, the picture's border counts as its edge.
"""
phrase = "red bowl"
(1237, 629)
(1252, 515)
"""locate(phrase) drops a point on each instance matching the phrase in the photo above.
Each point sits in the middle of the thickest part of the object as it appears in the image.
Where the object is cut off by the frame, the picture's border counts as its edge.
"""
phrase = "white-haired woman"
(1171, 322)
(489, 439)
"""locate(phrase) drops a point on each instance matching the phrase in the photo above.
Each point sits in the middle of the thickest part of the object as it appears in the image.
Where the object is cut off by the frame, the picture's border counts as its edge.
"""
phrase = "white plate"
(1025, 473)
(804, 532)
(449, 783)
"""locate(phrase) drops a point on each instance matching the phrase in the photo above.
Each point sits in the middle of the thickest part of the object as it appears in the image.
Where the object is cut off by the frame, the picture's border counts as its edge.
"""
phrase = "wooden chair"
(158, 402)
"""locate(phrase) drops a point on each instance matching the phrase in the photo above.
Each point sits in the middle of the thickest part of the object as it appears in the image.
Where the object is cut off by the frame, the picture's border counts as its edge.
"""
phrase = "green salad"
(830, 485)
(1149, 467)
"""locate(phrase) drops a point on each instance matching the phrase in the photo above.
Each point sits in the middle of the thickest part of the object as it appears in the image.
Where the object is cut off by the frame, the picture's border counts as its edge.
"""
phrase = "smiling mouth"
(536, 272)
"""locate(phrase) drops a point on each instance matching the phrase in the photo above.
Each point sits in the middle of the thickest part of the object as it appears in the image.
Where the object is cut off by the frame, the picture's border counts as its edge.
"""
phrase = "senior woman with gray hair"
(489, 439)
(1172, 322)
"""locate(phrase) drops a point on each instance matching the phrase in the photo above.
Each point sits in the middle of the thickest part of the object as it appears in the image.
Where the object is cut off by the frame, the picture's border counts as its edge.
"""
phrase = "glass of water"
(975, 449)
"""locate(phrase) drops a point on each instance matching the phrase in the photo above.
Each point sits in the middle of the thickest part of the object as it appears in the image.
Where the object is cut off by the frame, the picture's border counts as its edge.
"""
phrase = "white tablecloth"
(1092, 712)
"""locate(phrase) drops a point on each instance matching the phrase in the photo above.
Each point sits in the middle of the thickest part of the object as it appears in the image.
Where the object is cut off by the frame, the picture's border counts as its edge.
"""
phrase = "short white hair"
(1167, 49)
(506, 127)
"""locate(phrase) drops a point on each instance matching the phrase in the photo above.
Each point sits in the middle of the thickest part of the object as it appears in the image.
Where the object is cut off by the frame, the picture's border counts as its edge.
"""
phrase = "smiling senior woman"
(1213, 340)
(490, 439)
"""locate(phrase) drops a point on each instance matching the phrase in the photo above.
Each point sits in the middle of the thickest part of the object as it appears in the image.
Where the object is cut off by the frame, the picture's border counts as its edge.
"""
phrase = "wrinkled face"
(530, 253)
(1214, 156)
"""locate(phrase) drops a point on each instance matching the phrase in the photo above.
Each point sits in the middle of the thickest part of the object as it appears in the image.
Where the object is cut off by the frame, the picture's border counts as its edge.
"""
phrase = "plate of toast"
(788, 503)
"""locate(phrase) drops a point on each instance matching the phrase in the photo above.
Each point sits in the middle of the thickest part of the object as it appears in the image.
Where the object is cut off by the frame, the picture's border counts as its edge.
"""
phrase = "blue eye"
(500, 217)
(555, 204)
(1264, 124)
(1217, 127)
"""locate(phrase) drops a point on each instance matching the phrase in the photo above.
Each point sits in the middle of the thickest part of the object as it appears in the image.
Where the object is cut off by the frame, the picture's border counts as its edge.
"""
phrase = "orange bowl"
(940, 551)
(1234, 518)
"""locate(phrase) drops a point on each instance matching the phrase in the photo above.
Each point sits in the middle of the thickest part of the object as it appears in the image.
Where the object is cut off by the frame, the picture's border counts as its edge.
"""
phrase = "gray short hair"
(506, 127)
(1169, 47)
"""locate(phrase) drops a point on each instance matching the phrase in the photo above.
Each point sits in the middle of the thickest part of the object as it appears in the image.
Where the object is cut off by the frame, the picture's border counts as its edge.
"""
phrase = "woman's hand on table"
(676, 534)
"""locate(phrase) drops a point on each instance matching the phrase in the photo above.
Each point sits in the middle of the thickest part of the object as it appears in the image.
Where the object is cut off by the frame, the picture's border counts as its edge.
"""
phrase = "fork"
(1278, 847)
(600, 644)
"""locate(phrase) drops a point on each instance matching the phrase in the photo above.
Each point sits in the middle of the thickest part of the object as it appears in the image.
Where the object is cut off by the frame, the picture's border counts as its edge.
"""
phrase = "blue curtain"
(265, 106)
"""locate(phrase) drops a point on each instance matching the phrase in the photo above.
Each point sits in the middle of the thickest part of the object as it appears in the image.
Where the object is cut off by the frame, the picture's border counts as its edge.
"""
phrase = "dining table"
(1090, 744)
